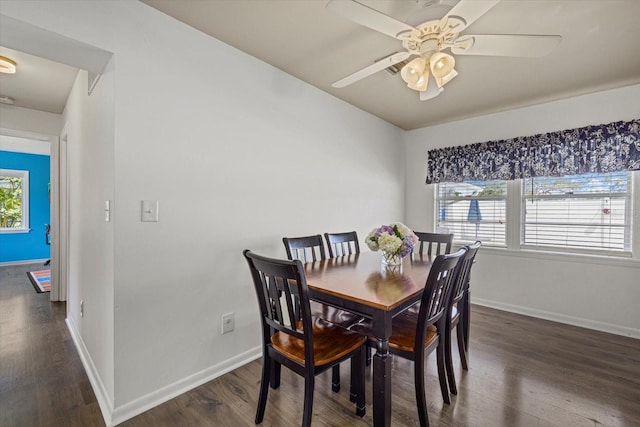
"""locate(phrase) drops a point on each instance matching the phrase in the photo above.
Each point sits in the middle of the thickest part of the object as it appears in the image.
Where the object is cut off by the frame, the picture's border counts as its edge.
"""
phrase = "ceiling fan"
(432, 68)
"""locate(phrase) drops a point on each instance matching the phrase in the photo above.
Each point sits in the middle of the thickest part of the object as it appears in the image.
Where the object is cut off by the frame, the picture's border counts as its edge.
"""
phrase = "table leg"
(382, 385)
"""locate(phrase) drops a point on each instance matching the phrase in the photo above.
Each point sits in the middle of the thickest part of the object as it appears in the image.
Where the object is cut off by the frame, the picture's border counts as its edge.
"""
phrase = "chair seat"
(403, 334)
(330, 343)
(334, 315)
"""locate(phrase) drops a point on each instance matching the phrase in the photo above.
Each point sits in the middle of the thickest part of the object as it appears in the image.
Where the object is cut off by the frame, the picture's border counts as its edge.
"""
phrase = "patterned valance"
(601, 148)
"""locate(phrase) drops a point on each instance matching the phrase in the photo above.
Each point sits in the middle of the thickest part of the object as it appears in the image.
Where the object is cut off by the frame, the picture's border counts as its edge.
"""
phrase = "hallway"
(42, 380)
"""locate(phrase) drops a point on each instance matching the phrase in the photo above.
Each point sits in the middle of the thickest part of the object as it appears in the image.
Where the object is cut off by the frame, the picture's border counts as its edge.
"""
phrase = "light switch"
(149, 211)
(107, 211)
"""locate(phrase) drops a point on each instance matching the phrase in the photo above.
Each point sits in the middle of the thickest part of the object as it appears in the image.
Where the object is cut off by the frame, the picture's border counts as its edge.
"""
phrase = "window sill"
(616, 261)
(14, 230)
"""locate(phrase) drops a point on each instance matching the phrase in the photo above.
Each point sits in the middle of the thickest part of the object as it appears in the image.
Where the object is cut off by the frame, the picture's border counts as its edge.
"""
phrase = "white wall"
(583, 291)
(27, 123)
(238, 154)
(89, 137)
(24, 145)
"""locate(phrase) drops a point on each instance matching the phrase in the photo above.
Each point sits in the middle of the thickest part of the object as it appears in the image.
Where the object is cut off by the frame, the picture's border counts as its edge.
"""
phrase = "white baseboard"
(114, 416)
(561, 318)
(104, 400)
(28, 261)
(157, 397)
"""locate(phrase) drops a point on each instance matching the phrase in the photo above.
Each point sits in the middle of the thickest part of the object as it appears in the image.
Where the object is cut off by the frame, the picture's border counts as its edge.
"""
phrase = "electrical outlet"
(228, 323)
(81, 308)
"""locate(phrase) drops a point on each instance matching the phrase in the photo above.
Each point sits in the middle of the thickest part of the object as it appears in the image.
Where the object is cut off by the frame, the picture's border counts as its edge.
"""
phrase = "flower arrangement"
(393, 240)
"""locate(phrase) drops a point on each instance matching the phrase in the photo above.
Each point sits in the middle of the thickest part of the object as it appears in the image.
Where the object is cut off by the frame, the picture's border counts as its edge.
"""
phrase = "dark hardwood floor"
(524, 372)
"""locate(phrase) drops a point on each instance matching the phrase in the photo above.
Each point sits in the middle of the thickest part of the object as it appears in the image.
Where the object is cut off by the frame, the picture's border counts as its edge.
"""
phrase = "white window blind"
(588, 212)
(473, 210)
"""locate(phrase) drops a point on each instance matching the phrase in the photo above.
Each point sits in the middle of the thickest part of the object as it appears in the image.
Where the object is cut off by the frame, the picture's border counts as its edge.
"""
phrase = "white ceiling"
(38, 84)
(599, 50)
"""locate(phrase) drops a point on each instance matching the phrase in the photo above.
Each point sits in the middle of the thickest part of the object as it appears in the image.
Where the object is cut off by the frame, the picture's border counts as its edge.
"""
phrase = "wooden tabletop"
(361, 278)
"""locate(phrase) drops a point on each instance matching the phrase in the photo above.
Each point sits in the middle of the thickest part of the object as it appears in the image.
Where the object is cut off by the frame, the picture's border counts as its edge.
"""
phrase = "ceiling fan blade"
(468, 11)
(520, 45)
(383, 63)
(368, 17)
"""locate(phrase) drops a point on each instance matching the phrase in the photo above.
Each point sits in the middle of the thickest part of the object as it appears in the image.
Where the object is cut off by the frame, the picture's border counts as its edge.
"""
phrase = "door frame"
(60, 216)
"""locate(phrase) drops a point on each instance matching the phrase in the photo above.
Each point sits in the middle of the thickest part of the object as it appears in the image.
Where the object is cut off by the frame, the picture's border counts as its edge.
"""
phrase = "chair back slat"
(273, 297)
(434, 243)
(305, 249)
(464, 275)
(342, 244)
(292, 307)
(435, 297)
(281, 283)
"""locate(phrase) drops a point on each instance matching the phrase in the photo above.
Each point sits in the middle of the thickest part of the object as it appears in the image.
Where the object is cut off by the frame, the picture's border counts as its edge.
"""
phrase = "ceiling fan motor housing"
(432, 36)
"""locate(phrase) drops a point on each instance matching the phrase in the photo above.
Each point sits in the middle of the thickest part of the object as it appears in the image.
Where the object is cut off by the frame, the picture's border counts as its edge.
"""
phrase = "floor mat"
(41, 280)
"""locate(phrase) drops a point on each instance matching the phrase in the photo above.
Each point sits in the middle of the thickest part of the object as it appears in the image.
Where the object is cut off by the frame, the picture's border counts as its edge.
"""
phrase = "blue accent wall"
(31, 245)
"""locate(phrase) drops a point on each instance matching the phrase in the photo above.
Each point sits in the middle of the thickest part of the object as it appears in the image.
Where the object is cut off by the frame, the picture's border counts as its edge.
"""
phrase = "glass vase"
(391, 260)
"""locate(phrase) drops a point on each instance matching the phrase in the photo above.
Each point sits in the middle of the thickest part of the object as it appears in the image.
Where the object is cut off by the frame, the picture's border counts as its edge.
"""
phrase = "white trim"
(24, 175)
(104, 400)
(19, 144)
(114, 416)
(54, 218)
(157, 397)
(23, 262)
(561, 318)
(565, 257)
(14, 230)
(24, 134)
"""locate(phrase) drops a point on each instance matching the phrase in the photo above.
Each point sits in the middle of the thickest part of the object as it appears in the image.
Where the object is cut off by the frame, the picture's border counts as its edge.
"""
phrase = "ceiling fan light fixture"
(441, 81)
(7, 65)
(441, 64)
(416, 74)
(422, 82)
(413, 71)
(431, 91)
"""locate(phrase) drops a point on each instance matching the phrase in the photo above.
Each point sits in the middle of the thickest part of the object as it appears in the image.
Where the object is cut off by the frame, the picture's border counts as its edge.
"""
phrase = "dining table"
(362, 285)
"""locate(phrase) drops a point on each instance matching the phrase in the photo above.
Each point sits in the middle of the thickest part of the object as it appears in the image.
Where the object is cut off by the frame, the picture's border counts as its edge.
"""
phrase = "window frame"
(24, 224)
(514, 226)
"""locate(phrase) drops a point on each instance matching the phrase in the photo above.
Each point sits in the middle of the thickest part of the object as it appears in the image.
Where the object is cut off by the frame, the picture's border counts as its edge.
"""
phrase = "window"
(14, 200)
(590, 211)
(473, 210)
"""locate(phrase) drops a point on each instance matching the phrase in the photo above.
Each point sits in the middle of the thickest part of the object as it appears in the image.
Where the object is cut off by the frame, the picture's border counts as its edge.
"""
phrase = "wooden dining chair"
(414, 336)
(434, 243)
(341, 244)
(292, 337)
(309, 249)
(459, 315)
(306, 249)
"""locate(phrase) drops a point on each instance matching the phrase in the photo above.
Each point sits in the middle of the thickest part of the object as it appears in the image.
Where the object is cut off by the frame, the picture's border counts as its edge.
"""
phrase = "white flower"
(371, 241)
(389, 243)
(395, 238)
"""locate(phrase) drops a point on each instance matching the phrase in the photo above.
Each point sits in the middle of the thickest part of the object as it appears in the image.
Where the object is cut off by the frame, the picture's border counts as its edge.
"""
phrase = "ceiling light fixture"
(7, 65)
(442, 68)
(422, 74)
(416, 74)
